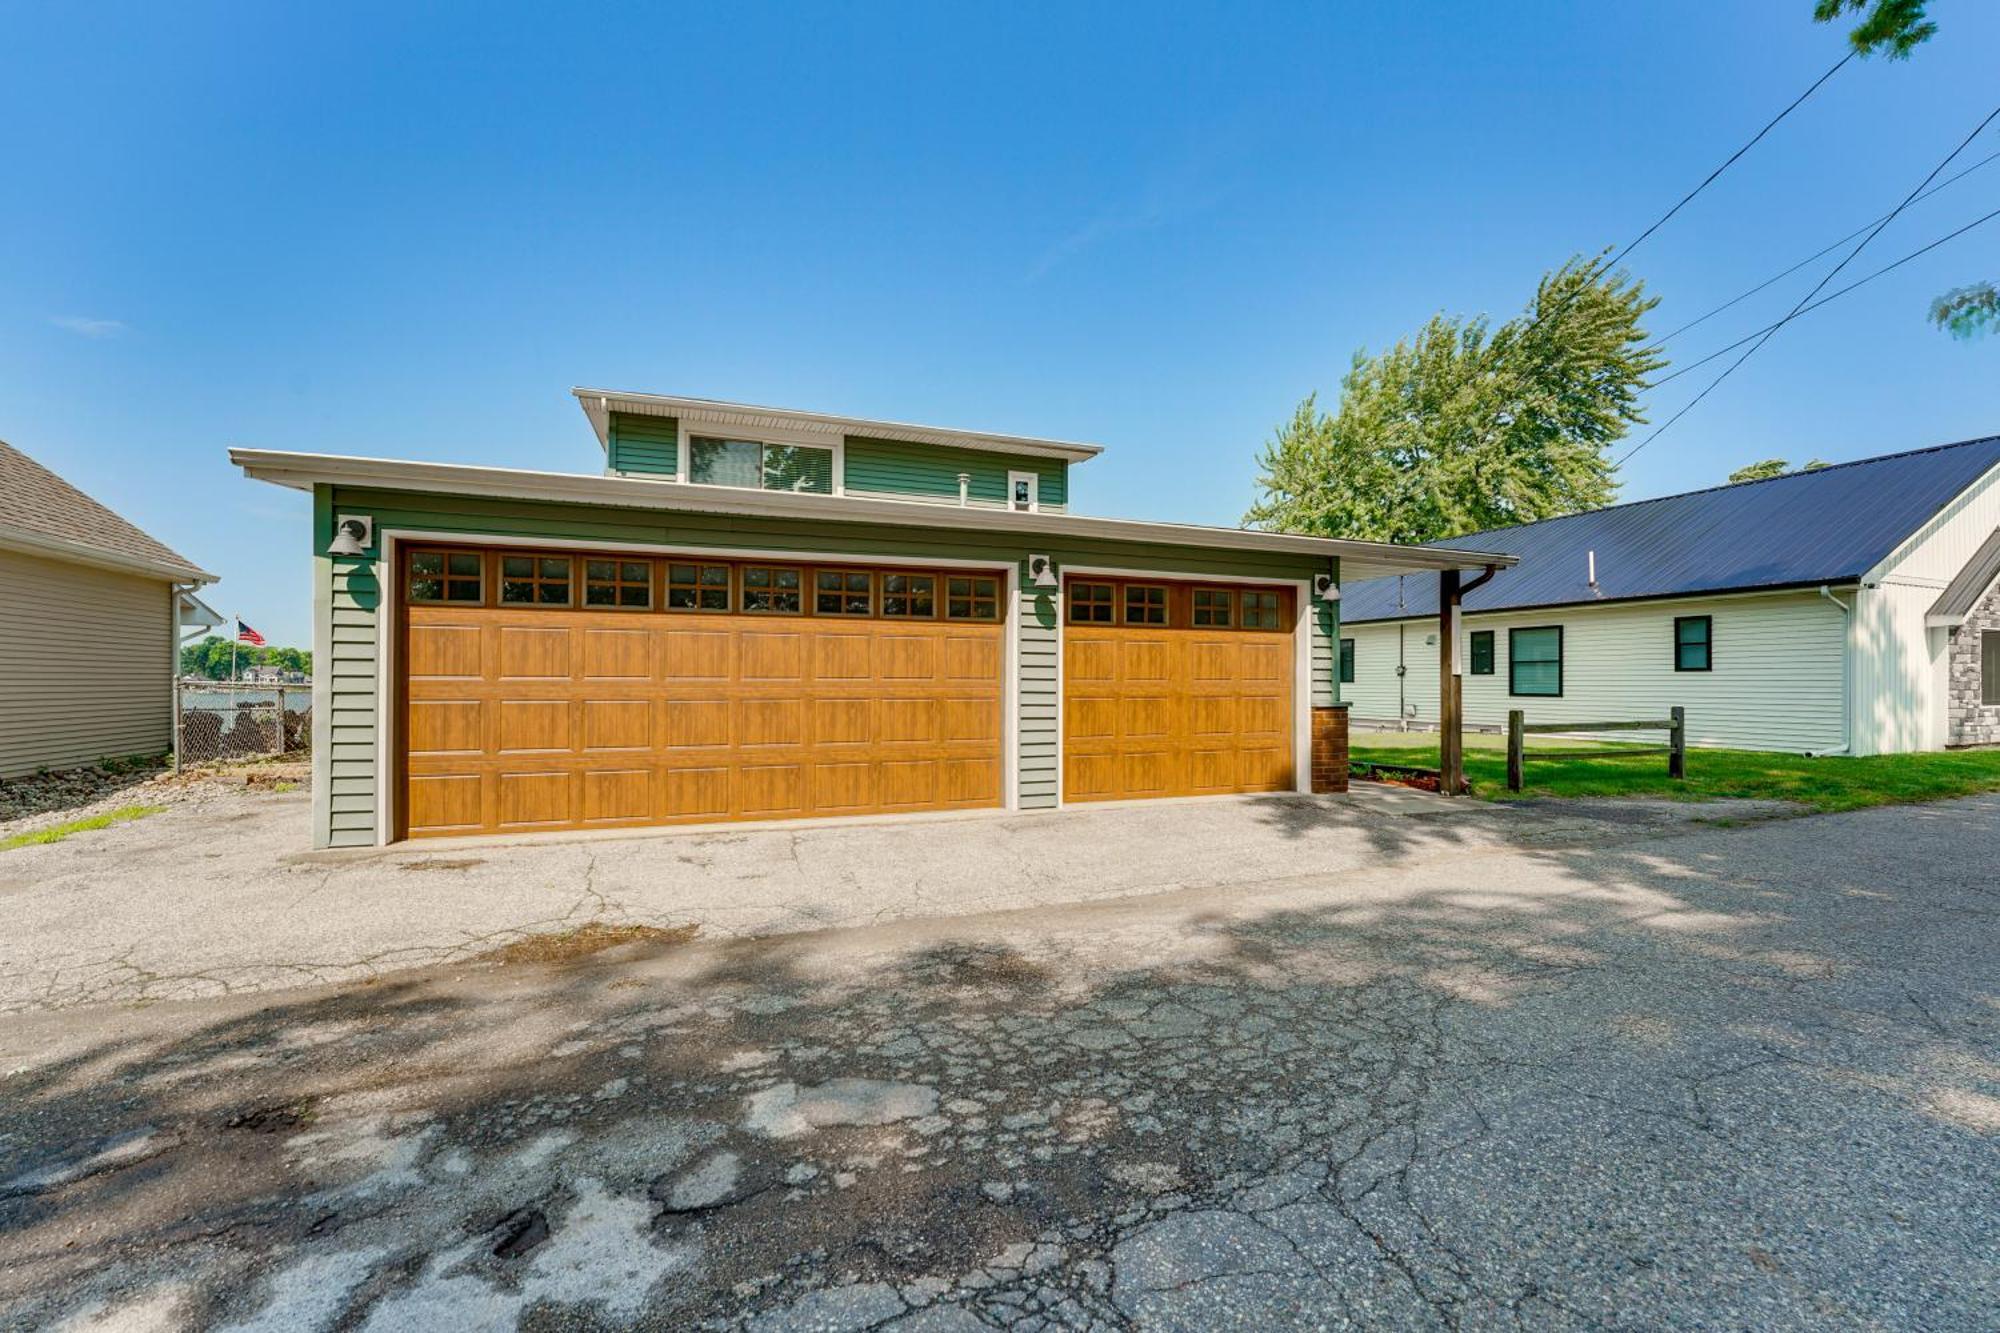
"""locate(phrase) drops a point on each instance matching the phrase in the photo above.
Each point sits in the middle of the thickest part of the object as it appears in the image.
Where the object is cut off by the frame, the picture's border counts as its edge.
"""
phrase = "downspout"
(1846, 677)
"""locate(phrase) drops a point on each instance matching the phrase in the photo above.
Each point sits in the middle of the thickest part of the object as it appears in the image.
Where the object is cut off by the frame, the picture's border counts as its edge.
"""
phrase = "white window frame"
(1034, 480)
(723, 430)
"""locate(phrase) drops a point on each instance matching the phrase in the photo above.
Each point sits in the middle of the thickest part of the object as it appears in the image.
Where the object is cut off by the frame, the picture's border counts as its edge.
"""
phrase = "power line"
(1829, 297)
(1818, 287)
(1817, 254)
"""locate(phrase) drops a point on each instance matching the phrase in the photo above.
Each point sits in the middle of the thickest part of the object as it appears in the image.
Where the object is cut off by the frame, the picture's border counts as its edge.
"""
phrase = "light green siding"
(348, 634)
(644, 446)
(929, 472)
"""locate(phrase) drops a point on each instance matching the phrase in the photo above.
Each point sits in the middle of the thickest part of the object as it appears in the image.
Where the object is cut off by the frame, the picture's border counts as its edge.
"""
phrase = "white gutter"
(1846, 677)
(1359, 559)
(39, 543)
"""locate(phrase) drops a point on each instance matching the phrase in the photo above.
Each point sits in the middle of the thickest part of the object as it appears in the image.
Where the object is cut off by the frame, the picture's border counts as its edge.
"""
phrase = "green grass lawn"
(57, 832)
(1827, 784)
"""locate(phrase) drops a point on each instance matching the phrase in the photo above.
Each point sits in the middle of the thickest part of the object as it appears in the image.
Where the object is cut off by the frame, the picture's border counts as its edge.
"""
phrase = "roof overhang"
(1358, 559)
(197, 614)
(30, 542)
(1955, 603)
(748, 419)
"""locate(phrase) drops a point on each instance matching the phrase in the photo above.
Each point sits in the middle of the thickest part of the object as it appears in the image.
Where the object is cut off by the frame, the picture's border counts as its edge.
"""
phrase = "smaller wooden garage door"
(564, 690)
(1176, 690)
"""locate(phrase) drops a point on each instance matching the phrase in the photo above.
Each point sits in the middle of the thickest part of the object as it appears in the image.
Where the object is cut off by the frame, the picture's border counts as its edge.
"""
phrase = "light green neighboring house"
(436, 587)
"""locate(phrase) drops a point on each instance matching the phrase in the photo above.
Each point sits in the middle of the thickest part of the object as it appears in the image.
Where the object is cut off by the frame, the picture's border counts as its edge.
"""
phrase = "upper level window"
(771, 588)
(1694, 638)
(1535, 661)
(1260, 610)
(1214, 608)
(1091, 604)
(970, 597)
(1024, 492)
(627, 583)
(541, 580)
(1482, 652)
(759, 466)
(1145, 604)
(445, 576)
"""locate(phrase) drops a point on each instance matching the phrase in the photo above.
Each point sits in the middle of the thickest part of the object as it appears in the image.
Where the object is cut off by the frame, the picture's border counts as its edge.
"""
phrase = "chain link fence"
(222, 720)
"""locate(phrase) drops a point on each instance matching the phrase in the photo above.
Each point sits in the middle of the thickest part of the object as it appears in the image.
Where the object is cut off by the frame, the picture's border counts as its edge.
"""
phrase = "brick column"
(1329, 749)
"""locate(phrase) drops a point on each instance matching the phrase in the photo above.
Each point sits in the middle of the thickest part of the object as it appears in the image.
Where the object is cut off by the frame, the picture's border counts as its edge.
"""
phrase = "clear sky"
(408, 230)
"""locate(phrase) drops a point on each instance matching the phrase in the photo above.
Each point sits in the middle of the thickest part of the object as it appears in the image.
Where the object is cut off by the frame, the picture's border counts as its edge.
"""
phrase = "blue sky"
(408, 230)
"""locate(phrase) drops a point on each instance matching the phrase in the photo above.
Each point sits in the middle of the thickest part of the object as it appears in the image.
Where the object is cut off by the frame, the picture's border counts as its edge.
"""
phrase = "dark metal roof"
(1828, 526)
(1963, 593)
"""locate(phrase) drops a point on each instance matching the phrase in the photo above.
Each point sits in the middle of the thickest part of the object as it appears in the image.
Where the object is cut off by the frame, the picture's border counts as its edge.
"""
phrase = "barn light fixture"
(351, 535)
(1042, 572)
(1325, 588)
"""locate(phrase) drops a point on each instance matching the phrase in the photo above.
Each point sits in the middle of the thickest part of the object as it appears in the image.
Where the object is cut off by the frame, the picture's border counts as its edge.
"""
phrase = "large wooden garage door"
(568, 690)
(1176, 690)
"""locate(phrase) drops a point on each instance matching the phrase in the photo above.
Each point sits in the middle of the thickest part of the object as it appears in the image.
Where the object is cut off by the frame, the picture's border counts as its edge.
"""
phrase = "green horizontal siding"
(351, 597)
(645, 446)
(891, 467)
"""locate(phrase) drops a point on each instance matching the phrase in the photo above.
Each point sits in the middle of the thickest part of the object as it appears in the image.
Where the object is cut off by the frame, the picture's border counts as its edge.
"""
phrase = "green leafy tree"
(1898, 27)
(1771, 467)
(209, 658)
(1466, 426)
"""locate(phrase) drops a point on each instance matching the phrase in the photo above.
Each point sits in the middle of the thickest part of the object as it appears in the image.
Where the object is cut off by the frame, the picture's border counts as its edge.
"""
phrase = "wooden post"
(279, 748)
(1451, 722)
(1516, 744)
(1677, 742)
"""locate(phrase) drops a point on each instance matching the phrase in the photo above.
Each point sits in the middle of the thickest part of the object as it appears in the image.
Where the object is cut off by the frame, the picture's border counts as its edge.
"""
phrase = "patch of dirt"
(442, 863)
(568, 946)
(282, 1118)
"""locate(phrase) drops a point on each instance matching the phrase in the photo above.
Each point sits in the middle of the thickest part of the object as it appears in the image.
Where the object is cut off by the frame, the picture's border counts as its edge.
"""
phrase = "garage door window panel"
(772, 590)
(622, 585)
(446, 576)
(1145, 604)
(843, 592)
(909, 596)
(972, 598)
(1260, 610)
(692, 587)
(534, 580)
(1214, 608)
(1092, 604)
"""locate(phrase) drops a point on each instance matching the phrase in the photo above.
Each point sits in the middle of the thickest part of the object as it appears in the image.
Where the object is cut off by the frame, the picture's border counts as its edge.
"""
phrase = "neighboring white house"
(91, 610)
(1852, 609)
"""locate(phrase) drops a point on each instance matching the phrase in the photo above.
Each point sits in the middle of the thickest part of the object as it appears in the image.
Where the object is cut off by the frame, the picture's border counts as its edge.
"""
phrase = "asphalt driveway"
(1706, 1078)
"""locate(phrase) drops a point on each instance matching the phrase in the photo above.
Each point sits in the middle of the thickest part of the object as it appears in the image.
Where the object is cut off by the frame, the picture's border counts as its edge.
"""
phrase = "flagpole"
(234, 639)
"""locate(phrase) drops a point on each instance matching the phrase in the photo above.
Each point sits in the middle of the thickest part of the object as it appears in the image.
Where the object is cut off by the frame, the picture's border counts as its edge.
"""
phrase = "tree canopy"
(1771, 467)
(1466, 426)
(209, 658)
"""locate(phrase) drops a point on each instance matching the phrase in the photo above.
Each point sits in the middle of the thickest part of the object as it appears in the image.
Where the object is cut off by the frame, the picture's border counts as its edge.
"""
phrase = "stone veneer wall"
(1329, 749)
(1971, 722)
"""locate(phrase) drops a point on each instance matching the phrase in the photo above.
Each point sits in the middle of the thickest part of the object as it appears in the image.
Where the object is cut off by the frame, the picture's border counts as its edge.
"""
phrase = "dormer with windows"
(706, 443)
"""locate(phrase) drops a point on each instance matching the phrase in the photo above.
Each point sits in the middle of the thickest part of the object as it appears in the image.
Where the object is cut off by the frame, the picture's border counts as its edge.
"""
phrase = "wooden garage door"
(1176, 690)
(553, 690)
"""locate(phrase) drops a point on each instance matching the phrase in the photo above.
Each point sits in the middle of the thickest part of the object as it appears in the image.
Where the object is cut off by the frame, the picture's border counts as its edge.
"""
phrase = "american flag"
(244, 634)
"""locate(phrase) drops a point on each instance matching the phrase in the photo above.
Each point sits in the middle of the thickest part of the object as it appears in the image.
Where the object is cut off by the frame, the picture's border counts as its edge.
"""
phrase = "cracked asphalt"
(1647, 1076)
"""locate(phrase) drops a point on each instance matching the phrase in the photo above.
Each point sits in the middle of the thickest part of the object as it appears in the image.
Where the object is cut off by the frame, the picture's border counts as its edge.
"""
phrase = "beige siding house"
(89, 606)
(1848, 610)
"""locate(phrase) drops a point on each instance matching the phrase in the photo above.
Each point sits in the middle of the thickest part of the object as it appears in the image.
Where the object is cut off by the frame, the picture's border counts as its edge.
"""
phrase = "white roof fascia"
(1359, 559)
(81, 553)
(749, 418)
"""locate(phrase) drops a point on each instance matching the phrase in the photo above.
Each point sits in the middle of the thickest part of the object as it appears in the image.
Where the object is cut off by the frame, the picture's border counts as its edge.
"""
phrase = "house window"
(1090, 604)
(1482, 652)
(1693, 640)
(1145, 604)
(1260, 610)
(626, 583)
(1024, 492)
(697, 587)
(843, 592)
(971, 598)
(771, 589)
(1989, 666)
(1214, 608)
(909, 596)
(1535, 661)
(1347, 661)
(445, 576)
(758, 466)
(541, 580)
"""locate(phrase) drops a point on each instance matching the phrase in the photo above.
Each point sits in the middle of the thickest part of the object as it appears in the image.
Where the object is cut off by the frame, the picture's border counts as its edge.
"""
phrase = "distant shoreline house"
(1852, 609)
(91, 613)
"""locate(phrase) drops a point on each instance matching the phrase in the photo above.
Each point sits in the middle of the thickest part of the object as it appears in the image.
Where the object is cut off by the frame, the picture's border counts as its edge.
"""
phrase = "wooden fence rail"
(1519, 729)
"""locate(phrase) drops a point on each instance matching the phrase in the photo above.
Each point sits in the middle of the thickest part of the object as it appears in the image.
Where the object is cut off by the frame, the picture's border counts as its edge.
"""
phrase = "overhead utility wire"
(1817, 254)
(1830, 296)
(1818, 287)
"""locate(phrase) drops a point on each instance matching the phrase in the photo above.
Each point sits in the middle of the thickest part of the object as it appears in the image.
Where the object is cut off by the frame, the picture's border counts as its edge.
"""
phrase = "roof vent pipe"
(1595, 591)
(964, 489)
